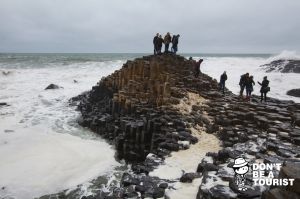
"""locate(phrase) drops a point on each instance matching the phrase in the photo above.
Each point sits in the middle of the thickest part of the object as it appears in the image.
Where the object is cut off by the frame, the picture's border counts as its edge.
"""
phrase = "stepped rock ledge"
(139, 110)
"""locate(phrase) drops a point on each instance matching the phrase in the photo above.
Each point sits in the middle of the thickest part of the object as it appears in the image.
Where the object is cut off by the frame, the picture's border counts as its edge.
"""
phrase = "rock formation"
(294, 92)
(135, 108)
(3, 104)
(284, 66)
(52, 86)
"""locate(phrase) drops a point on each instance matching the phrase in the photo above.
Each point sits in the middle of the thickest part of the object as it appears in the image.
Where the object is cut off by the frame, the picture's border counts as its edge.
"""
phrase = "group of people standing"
(247, 83)
(246, 80)
(158, 42)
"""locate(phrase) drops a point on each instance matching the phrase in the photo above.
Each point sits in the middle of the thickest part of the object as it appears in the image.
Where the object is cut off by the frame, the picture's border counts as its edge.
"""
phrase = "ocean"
(42, 148)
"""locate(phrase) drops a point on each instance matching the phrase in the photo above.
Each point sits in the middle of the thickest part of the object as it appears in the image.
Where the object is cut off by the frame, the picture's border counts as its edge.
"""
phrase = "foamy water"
(42, 149)
(184, 162)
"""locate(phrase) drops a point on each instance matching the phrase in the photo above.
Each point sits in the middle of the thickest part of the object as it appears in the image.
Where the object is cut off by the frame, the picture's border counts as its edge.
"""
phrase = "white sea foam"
(285, 55)
(42, 149)
(35, 163)
(280, 83)
(186, 161)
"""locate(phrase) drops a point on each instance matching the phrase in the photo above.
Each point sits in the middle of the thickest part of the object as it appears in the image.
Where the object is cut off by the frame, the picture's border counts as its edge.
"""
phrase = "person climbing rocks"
(160, 42)
(197, 67)
(249, 87)
(264, 88)
(155, 42)
(167, 41)
(223, 79)
(175, 40)
(243, 83)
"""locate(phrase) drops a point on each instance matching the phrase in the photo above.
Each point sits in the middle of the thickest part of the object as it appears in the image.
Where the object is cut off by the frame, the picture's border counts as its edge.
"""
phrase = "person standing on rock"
(264, 88)
(175, 40)
(155, 42)
(197, 67)
(223, 79)
(249, 87)
(167, 41)
(160, 41)
(243, 83)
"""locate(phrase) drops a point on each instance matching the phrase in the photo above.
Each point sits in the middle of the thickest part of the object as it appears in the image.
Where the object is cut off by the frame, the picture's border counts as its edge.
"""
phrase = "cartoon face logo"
(240, 168)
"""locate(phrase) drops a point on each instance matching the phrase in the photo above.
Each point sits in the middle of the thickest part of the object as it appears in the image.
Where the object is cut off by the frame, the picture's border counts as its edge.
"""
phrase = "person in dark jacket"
(249, 86)
(223, 79)
(160, 41)
(197, 67)
(243, 83)
(175, 40)
(167, 41)
(264, 88)
(155, 40)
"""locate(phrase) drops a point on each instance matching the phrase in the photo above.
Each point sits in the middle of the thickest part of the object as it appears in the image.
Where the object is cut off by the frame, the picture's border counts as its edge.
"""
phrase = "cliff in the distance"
(137, 109)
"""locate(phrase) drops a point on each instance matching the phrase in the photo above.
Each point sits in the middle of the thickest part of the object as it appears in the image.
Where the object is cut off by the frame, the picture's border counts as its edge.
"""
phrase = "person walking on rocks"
(249, 87)
(223, 79)
(243, 83)
(175, 39)
(264, 88)
(167, 41)
(160, 41)
(155, 43)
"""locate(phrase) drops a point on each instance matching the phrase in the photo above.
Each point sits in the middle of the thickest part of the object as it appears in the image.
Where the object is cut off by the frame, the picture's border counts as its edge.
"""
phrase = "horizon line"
(150, 53)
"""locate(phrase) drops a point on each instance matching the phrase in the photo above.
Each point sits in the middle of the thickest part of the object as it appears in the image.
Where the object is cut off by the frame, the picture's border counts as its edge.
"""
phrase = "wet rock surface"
(52, 86)
(133, 109)
(259, 132)
(284, 66)
(3, 104)
(294, 92)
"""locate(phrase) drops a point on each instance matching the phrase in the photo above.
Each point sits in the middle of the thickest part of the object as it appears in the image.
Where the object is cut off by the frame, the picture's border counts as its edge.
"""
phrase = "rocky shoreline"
(283, 65)
(139, 110)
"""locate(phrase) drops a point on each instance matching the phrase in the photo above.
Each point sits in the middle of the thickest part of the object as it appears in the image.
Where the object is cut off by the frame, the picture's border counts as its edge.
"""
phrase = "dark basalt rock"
(278, 193)
(216, 192)
(294, 92)
(189, 177)
(296, 119)
(128, 180)
(291, 170)
(284, 66)
(202, 167)
(52, 86)
(251, 192)
(3, 104)
(133, 109)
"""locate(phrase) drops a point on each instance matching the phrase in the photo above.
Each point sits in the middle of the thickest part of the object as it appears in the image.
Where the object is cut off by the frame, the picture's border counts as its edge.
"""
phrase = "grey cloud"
(129, 26)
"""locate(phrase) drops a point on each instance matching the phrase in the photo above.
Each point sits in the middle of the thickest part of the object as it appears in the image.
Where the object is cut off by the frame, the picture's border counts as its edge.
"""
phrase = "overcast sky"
(205, 26)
